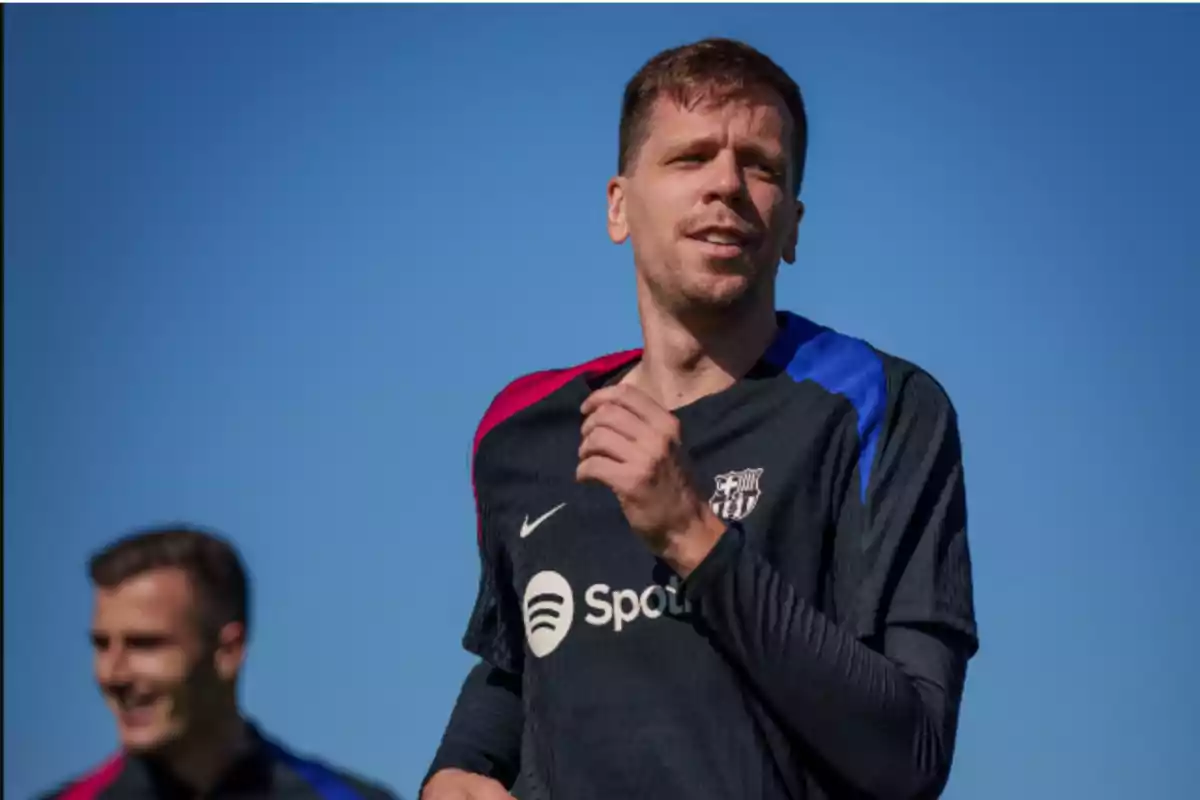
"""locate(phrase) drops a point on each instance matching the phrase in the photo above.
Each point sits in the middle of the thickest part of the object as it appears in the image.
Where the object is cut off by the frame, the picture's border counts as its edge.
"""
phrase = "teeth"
(721, 238)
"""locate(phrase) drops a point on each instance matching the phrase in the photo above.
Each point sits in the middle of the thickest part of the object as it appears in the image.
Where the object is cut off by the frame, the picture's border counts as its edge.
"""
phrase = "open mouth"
(725, 241)
(136, 709)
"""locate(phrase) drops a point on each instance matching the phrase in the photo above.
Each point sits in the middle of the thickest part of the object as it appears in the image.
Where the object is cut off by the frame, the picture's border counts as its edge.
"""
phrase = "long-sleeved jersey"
(818, 652)
(266, 771)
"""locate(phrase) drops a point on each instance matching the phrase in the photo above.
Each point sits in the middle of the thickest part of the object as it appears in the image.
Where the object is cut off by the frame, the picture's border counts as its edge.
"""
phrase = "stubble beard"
(707, 299)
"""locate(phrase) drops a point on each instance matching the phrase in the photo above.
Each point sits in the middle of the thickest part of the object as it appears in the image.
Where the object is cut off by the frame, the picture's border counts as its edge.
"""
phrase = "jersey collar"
(249, 774)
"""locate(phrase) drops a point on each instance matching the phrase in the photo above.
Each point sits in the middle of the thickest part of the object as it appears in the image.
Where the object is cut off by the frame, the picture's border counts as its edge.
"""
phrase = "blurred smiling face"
(152, 661)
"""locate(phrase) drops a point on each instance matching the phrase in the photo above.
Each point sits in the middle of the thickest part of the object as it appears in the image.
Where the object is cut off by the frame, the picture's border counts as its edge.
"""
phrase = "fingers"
(607, 443)
(603, 469)
(492, 790)
(454, 784)
(608, 456)
(637, 403)
(616, 418)
(620, 464)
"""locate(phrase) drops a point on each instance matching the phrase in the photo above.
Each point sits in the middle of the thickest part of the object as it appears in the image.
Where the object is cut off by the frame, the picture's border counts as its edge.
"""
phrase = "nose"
(112, 668)
(724, 178)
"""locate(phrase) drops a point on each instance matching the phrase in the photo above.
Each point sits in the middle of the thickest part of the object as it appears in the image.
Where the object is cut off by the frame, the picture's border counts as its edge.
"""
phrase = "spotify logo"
(549, 609)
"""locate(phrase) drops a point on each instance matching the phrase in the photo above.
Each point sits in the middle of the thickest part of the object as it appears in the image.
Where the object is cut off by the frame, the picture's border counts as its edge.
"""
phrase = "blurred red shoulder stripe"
(90, 786)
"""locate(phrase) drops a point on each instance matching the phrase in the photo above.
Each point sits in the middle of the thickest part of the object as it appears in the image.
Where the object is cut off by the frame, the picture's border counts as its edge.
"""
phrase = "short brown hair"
(709, 70)
(209, 560)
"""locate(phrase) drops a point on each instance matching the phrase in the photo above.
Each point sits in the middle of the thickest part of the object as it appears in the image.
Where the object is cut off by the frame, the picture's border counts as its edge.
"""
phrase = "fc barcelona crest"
(737, 494)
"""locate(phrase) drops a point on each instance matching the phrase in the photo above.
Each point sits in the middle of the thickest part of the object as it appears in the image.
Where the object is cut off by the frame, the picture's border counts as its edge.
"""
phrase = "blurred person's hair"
(210, 561)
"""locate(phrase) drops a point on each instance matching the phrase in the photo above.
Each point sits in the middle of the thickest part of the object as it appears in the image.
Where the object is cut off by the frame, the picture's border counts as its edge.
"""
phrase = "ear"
(789, 247)
(618, 225)
(231, 650)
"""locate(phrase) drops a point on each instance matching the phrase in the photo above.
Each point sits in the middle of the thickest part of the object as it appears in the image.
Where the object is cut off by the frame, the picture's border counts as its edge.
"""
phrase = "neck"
(689, 356)
(201, 760)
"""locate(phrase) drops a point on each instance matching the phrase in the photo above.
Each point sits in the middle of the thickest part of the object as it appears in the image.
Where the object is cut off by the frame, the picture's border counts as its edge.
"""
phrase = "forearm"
(884, 724)
(484, 732)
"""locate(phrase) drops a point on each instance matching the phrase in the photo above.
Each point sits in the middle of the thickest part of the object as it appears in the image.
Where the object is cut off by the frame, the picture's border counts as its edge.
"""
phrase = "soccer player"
(732, 563)
(169, 633)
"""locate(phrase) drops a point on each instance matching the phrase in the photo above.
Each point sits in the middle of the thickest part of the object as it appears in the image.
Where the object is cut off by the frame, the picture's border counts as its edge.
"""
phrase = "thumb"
(489, 791)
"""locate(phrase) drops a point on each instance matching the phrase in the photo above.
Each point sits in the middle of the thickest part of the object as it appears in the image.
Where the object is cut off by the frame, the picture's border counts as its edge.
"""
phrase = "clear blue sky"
(265, 267)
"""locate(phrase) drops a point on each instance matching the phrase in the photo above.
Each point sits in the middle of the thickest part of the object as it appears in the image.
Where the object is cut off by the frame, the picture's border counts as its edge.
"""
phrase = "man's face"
(156, 669)
(708, 200)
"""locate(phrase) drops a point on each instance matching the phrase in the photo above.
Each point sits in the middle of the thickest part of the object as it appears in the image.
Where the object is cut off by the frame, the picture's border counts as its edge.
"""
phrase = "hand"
(633, 445)
(456, 784)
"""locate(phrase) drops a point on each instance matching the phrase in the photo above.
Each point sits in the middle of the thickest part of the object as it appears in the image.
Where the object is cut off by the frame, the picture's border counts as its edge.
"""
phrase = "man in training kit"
(169, 633)
(734, 563)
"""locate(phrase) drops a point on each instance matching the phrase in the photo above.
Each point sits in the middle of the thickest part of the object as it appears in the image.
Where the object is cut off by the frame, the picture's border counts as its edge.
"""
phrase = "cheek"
(780, 217)
(642, 224)
(164, 667)
(656, 215)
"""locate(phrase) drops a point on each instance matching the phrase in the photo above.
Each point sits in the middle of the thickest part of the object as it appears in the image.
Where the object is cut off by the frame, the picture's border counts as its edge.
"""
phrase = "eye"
(145, 642)
(768, 170)
(99, 642)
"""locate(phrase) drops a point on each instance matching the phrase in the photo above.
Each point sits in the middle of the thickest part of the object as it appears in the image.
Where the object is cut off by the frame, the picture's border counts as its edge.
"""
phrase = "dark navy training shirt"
(267, 771)
(819, 651)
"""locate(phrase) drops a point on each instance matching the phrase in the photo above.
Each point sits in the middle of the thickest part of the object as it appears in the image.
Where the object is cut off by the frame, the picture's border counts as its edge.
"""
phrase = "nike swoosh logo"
(528, 527)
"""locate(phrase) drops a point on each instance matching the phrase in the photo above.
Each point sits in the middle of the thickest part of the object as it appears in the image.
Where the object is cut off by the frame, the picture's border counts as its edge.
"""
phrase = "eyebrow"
(711, 143)
(136, 633)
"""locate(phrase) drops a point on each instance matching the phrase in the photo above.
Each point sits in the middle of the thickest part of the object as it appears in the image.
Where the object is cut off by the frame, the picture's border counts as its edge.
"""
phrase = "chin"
(718, 292)
(147, 741)
(703, 285)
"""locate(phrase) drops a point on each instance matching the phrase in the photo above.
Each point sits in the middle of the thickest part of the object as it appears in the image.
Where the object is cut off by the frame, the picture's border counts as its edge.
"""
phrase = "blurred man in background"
(734, 563)
(169, 634)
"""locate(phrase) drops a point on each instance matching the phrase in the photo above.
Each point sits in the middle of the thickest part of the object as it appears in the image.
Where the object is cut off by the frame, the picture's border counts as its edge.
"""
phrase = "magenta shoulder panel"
(92, 785)
(529, 389)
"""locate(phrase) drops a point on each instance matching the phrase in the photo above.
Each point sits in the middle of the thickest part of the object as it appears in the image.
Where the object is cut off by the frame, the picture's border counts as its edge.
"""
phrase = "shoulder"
(872, 379)
(530, 389)
(364, 788)
(331, 780)
(913, 389)
(89, 785)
